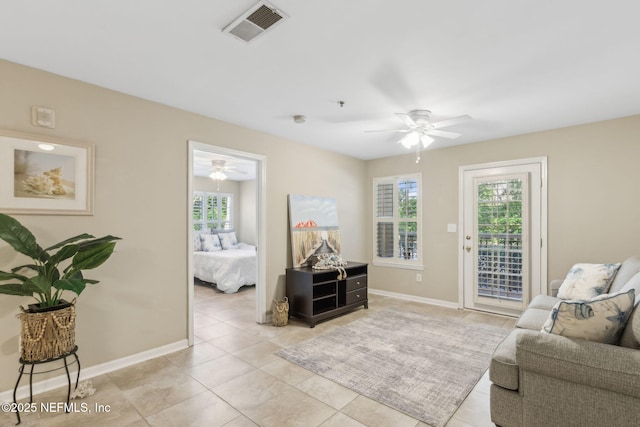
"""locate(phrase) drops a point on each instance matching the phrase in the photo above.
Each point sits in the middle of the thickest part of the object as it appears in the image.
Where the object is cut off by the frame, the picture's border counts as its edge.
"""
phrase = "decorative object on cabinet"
(314, 227)
(43, 175)
(316, 295)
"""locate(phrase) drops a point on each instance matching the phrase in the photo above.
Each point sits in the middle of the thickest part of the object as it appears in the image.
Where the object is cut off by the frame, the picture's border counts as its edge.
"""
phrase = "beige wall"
(247, 232)
(141, 166)
(593, 203)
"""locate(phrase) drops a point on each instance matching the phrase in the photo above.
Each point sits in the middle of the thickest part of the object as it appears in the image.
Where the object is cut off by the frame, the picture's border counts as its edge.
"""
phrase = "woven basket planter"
(280, 309)
(48, 332)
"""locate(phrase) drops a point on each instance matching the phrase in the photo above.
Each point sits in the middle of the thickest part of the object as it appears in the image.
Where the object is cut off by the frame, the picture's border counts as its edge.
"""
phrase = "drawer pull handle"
(357, 283)
(357, 295)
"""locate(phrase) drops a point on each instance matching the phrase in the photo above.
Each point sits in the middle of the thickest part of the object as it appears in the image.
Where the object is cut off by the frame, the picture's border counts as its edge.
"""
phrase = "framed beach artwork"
(42, 175)
(314, 227)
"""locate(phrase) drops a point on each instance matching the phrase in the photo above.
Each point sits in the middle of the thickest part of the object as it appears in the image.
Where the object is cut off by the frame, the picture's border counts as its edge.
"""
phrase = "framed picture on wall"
(43, 175)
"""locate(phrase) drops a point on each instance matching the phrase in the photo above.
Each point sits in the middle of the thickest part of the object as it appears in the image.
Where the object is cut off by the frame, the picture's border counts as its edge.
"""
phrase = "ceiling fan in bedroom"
(420, 129)
(220, 169)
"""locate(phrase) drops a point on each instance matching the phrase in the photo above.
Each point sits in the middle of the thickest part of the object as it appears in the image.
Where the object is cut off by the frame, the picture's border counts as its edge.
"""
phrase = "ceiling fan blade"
(390, 130)
(407, 120)
(450, 122)
(443, 133)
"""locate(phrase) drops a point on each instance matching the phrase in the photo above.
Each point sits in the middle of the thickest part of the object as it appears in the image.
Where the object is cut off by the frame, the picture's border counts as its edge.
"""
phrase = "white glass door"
(502, 237)
(500, 243)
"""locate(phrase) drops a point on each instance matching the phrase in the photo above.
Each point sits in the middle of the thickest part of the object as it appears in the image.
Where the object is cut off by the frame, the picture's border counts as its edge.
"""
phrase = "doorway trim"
(542, 287)
(261, 229)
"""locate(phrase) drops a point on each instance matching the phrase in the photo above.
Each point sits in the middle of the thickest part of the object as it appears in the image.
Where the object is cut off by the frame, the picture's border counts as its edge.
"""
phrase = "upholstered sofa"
(542, 379)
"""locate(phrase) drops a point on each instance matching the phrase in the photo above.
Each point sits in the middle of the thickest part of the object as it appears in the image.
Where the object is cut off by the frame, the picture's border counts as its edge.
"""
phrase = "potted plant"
(48, 325)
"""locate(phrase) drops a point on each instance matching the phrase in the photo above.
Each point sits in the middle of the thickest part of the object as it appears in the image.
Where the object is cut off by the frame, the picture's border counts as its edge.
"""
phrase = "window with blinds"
(212, 211)
(397, 221)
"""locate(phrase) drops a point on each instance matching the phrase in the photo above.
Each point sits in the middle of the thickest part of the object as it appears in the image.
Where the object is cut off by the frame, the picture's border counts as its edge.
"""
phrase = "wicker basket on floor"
(280, 309)
(46, 334)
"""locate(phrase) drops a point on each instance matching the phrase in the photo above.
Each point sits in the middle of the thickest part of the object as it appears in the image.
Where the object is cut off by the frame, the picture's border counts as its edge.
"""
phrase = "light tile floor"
(231, 377)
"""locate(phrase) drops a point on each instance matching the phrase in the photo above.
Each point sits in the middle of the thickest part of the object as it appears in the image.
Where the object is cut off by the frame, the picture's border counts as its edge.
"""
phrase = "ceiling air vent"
(255, 21)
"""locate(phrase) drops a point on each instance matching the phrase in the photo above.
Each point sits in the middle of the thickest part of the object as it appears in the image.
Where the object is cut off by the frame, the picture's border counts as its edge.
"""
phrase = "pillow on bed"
(197, 243)
(210, 242)
(228, 240)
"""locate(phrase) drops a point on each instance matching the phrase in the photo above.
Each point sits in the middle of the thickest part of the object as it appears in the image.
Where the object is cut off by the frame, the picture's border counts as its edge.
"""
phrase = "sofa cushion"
(585, 281)
(503, 369)
(544, 302)
(629, 268)
(533, 318)
(601, 319)
(631, 336)
(633, 283)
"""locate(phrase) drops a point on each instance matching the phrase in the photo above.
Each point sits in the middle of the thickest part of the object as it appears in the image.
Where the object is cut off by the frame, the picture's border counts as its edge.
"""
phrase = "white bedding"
(229, 269)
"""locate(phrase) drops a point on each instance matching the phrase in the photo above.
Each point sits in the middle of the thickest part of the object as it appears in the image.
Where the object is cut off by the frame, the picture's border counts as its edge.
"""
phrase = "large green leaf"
(42, 284)
(8, 276)
(37, 268)
(88, 244)
(93, 257)
(74, 284)
(73, 239)
(16, 289)
(64, 253)
(20, 238)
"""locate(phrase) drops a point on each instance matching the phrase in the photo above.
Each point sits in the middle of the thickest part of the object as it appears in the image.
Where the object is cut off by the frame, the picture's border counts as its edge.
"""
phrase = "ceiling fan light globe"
(426, 140)
(218, 176)
(410, 139)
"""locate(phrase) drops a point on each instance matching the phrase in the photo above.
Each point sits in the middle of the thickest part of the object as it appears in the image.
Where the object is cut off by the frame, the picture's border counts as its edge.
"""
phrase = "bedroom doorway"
(249, 170)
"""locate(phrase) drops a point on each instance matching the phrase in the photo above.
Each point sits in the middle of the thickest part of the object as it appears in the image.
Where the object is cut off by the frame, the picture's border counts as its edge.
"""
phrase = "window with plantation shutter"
(212, 211)
(198, 212)
(397, 221)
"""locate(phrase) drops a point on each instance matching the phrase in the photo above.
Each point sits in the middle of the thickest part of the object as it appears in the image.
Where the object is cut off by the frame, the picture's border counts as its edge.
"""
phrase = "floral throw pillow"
(228, 240)
(585, 281)
(210, 242)
(600, 319)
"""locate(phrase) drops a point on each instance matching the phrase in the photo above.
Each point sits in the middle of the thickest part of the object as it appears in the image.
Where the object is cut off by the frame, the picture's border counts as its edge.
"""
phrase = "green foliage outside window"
(500, 207)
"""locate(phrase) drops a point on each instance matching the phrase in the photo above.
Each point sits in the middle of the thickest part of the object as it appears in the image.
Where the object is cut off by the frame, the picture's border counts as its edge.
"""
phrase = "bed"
(230, 266)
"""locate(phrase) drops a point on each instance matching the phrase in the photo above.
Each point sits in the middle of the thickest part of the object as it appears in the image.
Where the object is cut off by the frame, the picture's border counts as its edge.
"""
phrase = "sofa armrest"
(554, 286)
(602, 366)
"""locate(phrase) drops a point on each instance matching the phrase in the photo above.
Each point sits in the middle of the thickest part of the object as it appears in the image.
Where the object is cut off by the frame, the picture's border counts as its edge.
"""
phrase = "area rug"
(419, 364)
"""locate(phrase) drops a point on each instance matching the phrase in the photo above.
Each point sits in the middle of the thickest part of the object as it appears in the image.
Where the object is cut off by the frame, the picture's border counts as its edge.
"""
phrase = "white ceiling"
(514, 66)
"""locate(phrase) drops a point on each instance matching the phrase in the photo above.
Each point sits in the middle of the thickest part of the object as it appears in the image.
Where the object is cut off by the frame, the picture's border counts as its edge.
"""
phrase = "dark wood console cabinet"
(316, 295)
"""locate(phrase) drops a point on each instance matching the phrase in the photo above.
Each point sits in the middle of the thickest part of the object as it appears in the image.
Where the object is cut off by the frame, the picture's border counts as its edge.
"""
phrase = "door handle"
(467, 248)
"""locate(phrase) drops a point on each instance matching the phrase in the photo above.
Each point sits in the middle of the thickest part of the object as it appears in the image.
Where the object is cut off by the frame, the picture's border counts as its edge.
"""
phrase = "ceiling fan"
(220, 168)
(420, 128)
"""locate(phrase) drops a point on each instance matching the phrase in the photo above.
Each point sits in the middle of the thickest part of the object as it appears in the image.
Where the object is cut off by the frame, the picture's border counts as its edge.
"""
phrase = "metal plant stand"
(24, 363)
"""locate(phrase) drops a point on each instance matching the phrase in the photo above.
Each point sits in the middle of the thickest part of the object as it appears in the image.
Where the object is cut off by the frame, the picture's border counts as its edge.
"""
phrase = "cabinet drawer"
(356, 296)
(356, 282)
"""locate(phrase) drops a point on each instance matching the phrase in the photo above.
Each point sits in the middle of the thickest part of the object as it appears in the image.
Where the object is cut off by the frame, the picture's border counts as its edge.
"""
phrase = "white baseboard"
(414, 298)
(90, 372)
